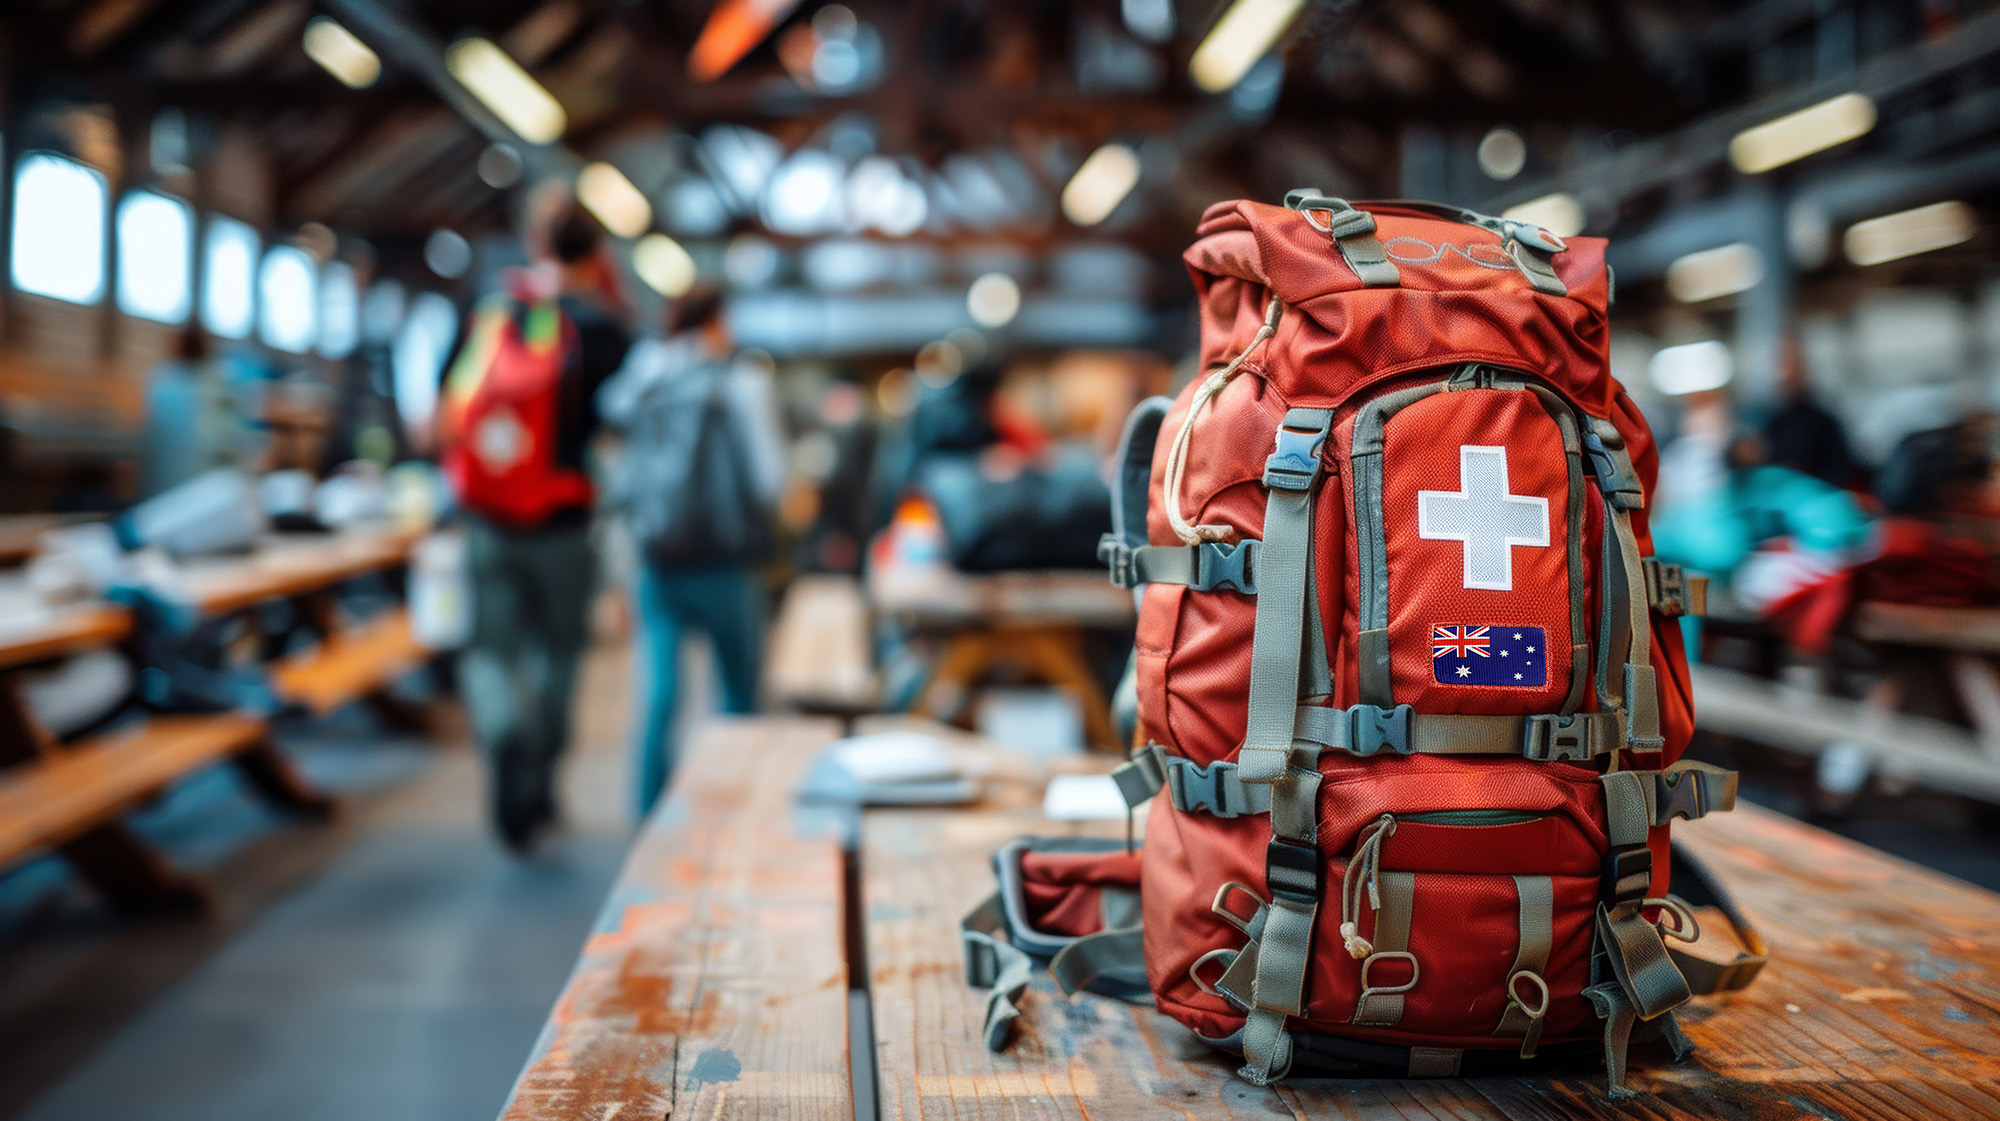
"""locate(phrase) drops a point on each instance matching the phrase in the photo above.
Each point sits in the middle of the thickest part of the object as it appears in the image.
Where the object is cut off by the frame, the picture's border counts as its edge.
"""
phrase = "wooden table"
(1882, 999)
(69, 797)
(1033, 620)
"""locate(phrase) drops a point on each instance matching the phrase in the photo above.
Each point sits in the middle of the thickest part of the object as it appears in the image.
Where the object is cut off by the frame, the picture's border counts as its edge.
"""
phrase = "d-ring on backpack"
(1409, 693)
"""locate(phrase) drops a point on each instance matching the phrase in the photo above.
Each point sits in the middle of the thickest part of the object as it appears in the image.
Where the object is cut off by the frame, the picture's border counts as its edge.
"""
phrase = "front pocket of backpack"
(1443, 942)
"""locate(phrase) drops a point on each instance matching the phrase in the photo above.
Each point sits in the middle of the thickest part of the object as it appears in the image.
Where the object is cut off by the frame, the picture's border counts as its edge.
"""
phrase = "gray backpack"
(687, 487)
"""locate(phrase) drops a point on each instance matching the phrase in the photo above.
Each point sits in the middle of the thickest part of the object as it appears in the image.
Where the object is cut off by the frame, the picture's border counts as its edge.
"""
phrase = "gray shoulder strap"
(1135, 469)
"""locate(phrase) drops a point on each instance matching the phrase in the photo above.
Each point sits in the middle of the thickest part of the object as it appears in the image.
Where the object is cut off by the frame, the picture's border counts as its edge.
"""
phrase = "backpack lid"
(1459, 293)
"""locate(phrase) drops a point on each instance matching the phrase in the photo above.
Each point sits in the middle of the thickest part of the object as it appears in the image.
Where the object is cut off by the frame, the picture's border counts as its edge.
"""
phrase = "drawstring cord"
(1368, 861)
(1177, 454)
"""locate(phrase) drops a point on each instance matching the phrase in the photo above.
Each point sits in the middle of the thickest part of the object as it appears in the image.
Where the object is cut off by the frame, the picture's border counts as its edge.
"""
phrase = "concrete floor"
(396, 964)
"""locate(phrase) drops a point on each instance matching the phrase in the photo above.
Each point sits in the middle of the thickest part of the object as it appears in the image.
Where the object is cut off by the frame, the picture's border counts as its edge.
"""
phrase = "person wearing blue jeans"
(698, 482)
(728, 605)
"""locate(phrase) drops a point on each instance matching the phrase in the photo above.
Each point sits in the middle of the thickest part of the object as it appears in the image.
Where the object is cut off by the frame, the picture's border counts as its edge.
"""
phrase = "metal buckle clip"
(1294, 462)
(1547, 738)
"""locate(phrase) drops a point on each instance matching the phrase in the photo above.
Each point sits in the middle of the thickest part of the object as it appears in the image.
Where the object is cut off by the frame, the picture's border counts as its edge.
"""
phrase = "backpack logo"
(1489, 654)
(501, 441)
(1482, 516)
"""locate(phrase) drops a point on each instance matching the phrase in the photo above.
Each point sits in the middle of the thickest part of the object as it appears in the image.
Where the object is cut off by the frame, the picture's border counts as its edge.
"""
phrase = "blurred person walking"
(1802, 434)
(700, 477)
(520, 409)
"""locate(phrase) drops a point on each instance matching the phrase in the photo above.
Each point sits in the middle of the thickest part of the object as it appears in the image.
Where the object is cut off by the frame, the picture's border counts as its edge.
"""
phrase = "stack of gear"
(1403, 690)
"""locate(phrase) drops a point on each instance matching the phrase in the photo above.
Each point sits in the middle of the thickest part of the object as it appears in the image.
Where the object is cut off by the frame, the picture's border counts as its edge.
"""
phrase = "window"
(421, 347)
(229, 262)
(59, 229)
(339, 310)
(155, 252)
(288, 299)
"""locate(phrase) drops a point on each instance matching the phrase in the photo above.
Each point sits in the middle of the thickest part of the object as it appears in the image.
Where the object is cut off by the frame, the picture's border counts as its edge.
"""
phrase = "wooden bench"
(1879, 1000)
(69, 798)
(820, 658)
(353, 663)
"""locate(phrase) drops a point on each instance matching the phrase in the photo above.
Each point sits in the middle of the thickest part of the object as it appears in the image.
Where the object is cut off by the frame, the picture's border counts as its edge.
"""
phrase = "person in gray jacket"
(700, 475)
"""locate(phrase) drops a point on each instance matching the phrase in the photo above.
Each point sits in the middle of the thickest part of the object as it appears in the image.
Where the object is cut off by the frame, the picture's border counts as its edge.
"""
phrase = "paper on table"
(1083, 798)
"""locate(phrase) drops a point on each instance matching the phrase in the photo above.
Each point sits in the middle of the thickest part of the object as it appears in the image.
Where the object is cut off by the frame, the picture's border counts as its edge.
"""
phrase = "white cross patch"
(1484, 517)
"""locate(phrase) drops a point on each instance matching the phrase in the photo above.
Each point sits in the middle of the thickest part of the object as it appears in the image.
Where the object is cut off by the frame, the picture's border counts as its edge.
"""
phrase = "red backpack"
(1409, 689)
(500, 413)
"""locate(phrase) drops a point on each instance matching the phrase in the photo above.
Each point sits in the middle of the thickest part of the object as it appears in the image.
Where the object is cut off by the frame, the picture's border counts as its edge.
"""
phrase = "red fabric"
(1920, 564)
(513, 413)
(1338, 346)
(1062, 890)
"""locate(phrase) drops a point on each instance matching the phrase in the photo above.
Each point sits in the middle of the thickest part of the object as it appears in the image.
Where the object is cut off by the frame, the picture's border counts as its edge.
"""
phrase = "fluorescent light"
(1502, 154)
(502, 86)
(605, 192)
(663, 265)
(1559, 213)
(1693, 368)
(1909, 232)
(1101, 184)
(1712, 273)
(341, 54)
(994, 300)
(1797, 135)
(1242, 36)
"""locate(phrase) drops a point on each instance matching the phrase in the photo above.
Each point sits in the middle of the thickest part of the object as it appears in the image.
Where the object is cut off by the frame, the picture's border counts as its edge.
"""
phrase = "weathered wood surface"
(287, 566)
(820, 652)
(715, 983)
(352, 663)
(1882, 1001)
(70, 790)
(38, 634)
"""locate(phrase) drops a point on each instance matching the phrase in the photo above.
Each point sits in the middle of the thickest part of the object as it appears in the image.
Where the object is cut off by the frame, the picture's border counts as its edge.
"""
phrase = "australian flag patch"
(1489, 654)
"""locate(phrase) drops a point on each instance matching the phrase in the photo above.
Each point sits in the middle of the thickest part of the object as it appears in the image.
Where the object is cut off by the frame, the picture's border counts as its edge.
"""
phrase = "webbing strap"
(1634, 801)
(1292, 877)
(1116, 956)
(1207, 567)
(1639, 961)
(1706, 976)
(1352, 231)
(1537, 903)
(1142, 774)
(1279, 634)
(1382, 1005)
(1616, 1011)
(1625, 629)
(995, 965)
(1371, 539)
(1131, 498)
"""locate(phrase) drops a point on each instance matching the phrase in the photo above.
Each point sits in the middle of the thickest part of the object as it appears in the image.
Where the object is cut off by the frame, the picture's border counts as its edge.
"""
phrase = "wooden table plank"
(715, 983)
(1882, 1000)
(286, 566)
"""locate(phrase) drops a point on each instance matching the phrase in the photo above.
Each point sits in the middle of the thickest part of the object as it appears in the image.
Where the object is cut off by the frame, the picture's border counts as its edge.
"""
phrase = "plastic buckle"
(1292, 871)
(1370, 729)
(1619, 484)
(1294, 462)
(1219, 566)
(1546, 738)
(1628, 871)
(1680, 794)
(1116, 555)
